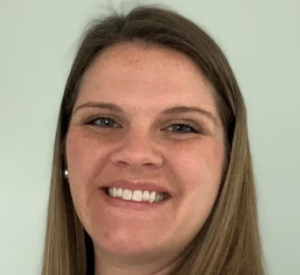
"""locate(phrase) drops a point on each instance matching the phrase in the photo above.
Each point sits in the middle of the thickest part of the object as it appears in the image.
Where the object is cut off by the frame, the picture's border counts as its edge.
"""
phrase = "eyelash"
(180, 125)
(92, 121)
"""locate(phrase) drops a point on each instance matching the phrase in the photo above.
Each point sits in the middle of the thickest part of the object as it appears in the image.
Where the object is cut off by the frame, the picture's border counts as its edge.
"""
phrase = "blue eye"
(182, 128)
(104, 122)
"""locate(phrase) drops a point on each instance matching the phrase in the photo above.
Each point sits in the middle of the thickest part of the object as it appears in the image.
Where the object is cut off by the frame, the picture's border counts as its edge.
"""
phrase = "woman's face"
(145, 127)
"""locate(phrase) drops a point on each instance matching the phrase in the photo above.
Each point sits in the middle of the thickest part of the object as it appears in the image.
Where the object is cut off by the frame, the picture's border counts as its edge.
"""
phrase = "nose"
(137, 150)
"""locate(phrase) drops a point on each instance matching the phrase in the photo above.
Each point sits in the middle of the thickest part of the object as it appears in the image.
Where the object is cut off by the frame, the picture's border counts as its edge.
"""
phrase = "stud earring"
(66, 173)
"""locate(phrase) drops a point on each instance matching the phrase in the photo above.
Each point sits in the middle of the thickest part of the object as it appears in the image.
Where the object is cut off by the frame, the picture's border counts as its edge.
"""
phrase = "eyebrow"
(170, 111)
(109, 106)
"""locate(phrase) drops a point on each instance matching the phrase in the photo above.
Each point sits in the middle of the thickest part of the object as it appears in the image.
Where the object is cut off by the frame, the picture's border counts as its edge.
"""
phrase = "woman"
(152, 169)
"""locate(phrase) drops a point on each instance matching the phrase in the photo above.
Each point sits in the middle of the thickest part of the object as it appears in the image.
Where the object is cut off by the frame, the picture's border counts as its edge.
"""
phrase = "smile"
(136, 195)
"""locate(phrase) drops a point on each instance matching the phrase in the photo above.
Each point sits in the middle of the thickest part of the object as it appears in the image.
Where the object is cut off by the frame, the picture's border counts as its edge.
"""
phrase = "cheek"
(200, 164)
(83, 153)
(78, 147)
(198, 172)
(85, 159)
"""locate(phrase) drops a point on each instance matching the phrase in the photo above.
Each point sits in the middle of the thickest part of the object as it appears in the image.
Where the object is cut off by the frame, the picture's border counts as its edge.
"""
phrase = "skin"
(142, 143)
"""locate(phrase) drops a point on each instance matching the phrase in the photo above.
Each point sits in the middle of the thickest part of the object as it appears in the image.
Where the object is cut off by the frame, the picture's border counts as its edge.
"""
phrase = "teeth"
(136, 195)
(146, 196)
(152, 197)
(114, 192)
(158, 197)
(127, 195)
(120, 192)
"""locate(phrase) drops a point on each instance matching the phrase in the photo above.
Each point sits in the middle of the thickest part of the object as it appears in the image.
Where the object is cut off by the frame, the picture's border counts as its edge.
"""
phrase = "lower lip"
(132, 205)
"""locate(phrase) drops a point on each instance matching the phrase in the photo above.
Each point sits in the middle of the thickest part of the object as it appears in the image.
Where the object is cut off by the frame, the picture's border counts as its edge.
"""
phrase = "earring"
(66, 173)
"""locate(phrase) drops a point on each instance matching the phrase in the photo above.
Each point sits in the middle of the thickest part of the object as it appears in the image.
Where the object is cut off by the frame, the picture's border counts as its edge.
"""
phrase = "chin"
(131, 245)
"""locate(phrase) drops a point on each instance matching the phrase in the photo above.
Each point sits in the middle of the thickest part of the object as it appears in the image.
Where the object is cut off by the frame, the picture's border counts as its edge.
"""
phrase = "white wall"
(38, 39)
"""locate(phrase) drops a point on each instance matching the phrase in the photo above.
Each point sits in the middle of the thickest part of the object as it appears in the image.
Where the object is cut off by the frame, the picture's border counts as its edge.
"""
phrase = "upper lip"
(137, 185)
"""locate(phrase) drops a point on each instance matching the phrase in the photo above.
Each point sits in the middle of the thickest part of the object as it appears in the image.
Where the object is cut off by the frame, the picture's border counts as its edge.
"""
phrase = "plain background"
(261, 39)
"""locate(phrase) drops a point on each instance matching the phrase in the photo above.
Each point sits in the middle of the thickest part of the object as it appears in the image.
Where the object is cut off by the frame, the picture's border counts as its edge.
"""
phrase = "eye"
(104, 122)
(182, 128)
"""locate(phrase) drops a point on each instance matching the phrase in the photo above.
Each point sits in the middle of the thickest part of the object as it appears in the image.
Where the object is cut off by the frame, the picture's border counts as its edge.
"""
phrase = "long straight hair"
(229, 242)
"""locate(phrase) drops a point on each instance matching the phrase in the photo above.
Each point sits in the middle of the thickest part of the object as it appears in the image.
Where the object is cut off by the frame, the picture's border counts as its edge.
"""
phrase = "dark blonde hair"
(228, 243)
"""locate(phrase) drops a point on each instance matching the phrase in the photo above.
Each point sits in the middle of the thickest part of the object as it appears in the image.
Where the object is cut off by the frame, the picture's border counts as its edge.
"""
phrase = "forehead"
(142, 76)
